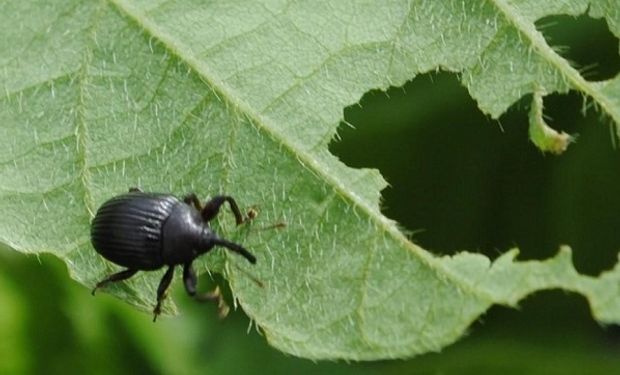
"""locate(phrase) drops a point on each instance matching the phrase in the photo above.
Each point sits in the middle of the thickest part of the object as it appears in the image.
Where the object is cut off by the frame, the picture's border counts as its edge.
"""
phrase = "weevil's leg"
(190, 280)
(161, 291)
(192, 199)
(212, 208)
(134, 189)
(215, 295)
(119, 276)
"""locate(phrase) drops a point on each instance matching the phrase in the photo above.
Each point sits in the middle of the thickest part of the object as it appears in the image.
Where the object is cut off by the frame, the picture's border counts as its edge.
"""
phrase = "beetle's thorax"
(182, 235)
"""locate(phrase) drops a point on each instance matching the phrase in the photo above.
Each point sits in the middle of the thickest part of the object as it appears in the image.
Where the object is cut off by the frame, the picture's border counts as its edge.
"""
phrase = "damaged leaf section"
(541, 134)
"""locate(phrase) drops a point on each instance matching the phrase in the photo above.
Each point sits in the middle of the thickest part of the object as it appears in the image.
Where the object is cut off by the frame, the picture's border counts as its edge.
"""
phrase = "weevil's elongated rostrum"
(147, 231)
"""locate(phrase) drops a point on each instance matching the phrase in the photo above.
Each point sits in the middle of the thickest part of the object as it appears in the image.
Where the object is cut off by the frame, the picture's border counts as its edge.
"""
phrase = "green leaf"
(543, 136)
(243, 98)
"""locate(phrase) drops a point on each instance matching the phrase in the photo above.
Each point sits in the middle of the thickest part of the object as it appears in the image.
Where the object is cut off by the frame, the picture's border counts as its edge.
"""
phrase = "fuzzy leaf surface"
(242, 98)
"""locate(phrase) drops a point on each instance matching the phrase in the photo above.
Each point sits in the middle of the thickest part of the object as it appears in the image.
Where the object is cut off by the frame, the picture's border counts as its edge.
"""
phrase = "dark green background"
(459, 181)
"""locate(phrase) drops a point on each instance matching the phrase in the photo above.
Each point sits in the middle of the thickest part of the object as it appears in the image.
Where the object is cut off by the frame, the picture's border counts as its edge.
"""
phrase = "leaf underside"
(243, 98)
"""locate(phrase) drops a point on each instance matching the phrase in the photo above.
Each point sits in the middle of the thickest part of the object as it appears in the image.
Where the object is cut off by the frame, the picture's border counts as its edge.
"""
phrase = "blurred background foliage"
(459, 181)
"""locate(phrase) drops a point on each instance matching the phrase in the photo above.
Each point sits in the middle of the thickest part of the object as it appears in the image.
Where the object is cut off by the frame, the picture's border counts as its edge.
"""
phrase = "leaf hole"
(542, 320)
(585, 41)
(460, 181)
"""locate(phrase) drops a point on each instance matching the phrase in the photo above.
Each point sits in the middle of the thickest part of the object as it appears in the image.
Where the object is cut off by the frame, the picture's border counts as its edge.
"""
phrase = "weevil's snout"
(237, 249)
(210, 239)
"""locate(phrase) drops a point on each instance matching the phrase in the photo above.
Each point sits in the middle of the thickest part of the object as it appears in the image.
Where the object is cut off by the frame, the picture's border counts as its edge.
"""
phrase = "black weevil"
(146, 231)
